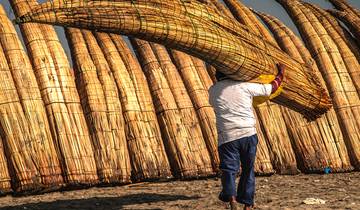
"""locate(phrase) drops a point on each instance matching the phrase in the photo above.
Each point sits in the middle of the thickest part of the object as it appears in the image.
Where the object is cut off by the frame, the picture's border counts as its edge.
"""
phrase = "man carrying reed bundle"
(235, 121)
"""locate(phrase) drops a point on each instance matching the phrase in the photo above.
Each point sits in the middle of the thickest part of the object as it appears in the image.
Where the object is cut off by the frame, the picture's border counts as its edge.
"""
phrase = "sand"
(339, 191)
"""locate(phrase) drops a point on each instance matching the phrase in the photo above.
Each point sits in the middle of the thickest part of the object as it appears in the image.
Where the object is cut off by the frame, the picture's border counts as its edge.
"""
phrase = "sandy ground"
(340, 191)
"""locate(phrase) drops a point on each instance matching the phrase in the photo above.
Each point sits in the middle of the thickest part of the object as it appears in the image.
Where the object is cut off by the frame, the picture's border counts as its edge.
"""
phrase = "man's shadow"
(102, 203)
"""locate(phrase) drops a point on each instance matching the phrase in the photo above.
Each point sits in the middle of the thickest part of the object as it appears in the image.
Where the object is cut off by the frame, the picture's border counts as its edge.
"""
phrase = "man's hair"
(220, 76)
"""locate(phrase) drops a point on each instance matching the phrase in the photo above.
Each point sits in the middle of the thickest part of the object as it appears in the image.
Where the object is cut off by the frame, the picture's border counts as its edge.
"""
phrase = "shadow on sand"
(102, 203)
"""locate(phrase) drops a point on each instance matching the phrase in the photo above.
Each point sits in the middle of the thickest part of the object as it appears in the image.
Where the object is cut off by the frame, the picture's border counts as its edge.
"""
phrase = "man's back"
(232, 102)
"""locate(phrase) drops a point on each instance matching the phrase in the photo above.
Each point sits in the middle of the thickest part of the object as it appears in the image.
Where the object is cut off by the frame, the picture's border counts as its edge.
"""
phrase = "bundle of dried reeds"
(135, 136)
(37, 141)
(106, 124)
(143, 94)
(269, 114)
(263, 164)
(146, 149)
(224, 43)
(345, 35)
(350, 60)
(203, 74)
(222, 8)
(245, 16)
(345, 6)
(58, 91)
(211, 71)
(5, 180)
(341, 88)
(328, 125)
(352, 21)
(183, 139)
(202, 120)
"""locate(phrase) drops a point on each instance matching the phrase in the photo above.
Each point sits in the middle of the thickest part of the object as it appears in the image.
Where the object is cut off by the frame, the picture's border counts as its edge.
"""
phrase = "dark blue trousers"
(231, 155)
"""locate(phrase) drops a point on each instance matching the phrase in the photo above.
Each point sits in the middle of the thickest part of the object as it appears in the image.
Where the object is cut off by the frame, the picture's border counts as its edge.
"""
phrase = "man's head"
(220, 76)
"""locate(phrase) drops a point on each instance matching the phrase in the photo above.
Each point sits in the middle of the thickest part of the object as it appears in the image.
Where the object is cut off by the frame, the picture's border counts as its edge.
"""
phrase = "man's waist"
(225, 136)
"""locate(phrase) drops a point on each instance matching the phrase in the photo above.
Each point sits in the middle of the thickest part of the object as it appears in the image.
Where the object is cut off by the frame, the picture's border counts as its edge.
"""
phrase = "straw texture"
(350, 60)
(349, 15)
(339, 28)
(345, 98)
(186, 99)
(58, 91)
(148, 157)
(263, 164)
(328, 125)
(183, 139)
(211, 71)
(183, 29)
(106, 124)
(40, 146)
(5, 180)
(351, 21)
(245, 16)
(345, 6)
(142, 92)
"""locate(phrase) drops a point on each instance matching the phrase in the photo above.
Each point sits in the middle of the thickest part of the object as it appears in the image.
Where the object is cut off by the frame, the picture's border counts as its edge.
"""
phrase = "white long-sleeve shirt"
(232, 102)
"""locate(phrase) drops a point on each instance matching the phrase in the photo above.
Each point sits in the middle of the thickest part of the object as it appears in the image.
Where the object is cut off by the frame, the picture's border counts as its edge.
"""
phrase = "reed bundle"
(211, 71)
(245, 16)
(5, 179)
(15, 132)
(203, 121)
(58, 91)
(222, 8)
(142, 91)
(345, 6)
(183, 139)
(328, 125)
(342, 90)
(103, 115)
(146, 149)
(350, 59)
(39, 141)
(339, 28)
(352, 21)
(314, 142)
(349, 15)
(270, 119)
(203, 74)
(180, 25)
(135, 136)
(263, 164)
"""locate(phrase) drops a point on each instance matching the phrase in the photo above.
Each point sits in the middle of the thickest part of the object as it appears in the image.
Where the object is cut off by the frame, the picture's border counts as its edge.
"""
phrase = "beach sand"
(339, 191)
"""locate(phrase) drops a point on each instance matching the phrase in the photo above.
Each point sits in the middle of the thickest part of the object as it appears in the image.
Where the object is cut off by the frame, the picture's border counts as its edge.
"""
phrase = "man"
(235, 122)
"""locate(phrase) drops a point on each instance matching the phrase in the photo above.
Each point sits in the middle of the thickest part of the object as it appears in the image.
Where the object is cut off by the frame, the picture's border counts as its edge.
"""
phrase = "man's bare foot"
(233, 203)
(247, 207)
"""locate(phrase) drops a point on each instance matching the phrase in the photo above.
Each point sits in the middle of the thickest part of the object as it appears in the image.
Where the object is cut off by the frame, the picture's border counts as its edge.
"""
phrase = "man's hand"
(279, 77)
(281, 68)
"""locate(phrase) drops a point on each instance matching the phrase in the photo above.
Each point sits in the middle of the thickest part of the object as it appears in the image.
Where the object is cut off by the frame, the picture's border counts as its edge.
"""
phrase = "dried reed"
(40, 145)
(146, 149)
(220, 40)
(105, 123)
(328, 125)
(58, 91)
(203, 117)
(342, 90)
(183, 139)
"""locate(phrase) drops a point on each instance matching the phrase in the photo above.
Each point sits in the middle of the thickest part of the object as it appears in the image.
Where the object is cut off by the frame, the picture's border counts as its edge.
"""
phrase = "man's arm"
(278, 79)
(256, 89)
